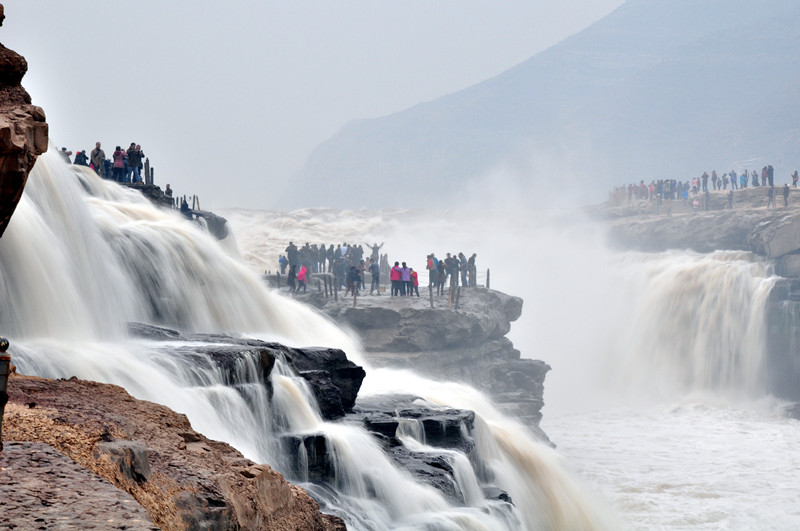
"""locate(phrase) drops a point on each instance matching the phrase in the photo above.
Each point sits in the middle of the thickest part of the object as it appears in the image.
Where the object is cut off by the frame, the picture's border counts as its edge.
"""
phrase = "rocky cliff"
(466, 345)
(23, 131)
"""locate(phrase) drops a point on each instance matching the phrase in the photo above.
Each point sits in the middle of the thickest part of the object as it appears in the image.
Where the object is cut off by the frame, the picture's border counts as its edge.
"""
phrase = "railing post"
(458, 296)
(430, 293)
(488, 278)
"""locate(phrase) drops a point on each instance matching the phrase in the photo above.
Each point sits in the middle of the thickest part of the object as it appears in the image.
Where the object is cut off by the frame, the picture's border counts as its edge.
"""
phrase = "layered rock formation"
(466, 345)
(23, 132)
(182, 479)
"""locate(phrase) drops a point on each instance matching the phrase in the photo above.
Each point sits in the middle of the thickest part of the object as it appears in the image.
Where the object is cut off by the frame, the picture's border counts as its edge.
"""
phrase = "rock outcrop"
(749, 226)
(180, 478)
(466, 345)
(23, 132)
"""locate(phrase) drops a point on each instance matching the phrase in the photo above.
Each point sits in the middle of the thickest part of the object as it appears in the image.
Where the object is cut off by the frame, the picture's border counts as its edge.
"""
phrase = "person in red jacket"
(414, 283)
(396, 275)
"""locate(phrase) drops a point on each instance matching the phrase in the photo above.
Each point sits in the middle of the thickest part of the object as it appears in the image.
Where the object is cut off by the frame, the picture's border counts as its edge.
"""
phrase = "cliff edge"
(23, 131)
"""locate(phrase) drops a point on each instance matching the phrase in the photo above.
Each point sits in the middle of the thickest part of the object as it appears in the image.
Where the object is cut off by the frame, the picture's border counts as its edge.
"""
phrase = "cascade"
(82, 257)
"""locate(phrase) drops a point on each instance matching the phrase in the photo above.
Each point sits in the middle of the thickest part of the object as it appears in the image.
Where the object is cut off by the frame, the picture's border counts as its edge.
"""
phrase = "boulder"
(777, 236)
(131, 458)
(334, 379)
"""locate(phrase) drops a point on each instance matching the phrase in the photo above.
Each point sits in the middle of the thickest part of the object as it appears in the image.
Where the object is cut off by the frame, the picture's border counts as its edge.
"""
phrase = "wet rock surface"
(465, 345)
(42, 488)
(333, 378)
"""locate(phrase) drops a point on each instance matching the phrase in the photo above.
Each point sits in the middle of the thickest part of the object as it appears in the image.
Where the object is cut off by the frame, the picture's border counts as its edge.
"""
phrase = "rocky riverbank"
(87, 455)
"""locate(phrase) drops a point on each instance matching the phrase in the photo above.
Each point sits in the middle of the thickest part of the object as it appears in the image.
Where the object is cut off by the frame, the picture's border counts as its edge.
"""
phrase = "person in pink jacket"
(396, 276)
(301, 278)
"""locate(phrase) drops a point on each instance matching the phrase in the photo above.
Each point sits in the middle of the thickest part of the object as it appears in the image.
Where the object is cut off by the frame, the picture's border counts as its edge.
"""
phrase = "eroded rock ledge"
(466, 345)
(181, 478)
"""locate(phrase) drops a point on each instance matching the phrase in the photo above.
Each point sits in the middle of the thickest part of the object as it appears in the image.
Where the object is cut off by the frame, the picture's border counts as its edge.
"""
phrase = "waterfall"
(83, 256)
(694, 322)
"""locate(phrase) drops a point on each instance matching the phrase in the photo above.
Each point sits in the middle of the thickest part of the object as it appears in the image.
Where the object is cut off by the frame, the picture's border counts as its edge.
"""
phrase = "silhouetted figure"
(81, 159)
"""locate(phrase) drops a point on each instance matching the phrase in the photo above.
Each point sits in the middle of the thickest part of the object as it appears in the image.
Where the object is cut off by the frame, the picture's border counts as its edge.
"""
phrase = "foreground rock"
(23, 131)
(182, 479)
(42, 488)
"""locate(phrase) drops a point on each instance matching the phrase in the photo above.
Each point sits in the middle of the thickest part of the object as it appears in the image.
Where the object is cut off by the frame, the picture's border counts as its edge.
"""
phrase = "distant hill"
(657, 89)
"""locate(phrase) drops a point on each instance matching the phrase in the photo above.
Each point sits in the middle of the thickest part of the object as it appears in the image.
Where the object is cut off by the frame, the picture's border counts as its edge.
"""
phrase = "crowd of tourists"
(348, 265)
(124, 166)
(690, 189)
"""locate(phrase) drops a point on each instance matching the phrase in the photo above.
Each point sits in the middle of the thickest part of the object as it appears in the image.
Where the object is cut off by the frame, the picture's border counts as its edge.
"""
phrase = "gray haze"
(228, 99)
(655, 90)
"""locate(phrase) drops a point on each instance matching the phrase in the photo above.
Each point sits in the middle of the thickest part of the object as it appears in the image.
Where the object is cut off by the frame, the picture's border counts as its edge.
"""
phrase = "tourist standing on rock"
(770, 175)
(405, 278)
(134, 159)
(362, 267)
(119, 164)
(795, 177)
(376, 251)
(414, 283)
(66, 154)
(282, 263)
(705, 181)
(81, 159)
(292, 254)
(786, 195)
(375, 272)
(352, 280)
(473, 271)
(301, 278)
(734, 180)
(441, 278)
(714, 180)
(395, 275)
(98, 157)
(754, 177)
(462, 265)
(771, 197)
(322, 257)
(764, 176)
(430, 265)
(291, 278)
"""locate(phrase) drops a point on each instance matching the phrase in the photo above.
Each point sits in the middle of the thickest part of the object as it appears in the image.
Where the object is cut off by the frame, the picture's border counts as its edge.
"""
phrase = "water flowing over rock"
(23, 131)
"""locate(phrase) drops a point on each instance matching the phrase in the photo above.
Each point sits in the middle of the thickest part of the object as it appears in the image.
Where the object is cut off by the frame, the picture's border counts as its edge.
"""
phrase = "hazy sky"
(228, 99)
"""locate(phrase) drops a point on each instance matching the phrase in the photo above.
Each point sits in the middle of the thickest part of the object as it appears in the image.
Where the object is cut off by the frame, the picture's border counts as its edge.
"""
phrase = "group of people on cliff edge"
(124, 166)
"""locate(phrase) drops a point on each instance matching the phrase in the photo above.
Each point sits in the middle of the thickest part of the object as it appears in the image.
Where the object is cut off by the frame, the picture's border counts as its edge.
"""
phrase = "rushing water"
(81, 257)
(656, 396)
